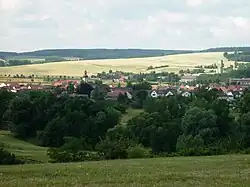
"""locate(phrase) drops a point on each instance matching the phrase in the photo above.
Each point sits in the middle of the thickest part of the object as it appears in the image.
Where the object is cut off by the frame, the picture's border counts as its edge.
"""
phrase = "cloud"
(8, 4)
(194, 3)
(183, 24)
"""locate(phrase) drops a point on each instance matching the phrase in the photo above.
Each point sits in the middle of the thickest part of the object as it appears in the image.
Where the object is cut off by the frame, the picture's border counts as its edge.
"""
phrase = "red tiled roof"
(117, 91)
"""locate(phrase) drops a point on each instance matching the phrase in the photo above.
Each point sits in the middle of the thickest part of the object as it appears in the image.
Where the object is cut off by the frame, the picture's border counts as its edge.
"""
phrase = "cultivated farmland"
(76, 68)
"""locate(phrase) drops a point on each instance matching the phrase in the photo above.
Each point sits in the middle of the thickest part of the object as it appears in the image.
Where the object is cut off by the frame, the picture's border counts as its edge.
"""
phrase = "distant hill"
(56, 55)
(227, 49)
(90, 54)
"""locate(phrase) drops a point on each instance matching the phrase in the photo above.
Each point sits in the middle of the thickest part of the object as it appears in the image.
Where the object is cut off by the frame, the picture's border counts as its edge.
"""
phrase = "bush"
(138, 152)
(7, 158)
(87, 156)
(201, 151)
(121, 107)
(61, 156)
(116, 149)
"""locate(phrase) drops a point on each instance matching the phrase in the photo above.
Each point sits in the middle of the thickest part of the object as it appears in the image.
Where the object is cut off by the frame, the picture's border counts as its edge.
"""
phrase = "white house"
(2, 85)
(154, 94)
(186, 94)
(169, 93)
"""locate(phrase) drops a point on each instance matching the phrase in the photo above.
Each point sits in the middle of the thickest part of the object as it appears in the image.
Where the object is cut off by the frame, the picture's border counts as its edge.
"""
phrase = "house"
(154, 94)
(115, 92)
(188, 78)
(163, 92)
(186, 94)
(3, 85)
(244, 82)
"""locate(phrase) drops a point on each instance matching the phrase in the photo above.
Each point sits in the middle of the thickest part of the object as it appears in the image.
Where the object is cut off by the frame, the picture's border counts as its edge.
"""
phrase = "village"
(120, 83)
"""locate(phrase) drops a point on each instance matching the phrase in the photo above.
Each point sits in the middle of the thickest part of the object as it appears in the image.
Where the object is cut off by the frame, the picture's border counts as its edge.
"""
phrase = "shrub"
(61, 156)
(116, 149)
(56, 155)
(7, 158)
(138, 151)
(87, 156)
(201, 151)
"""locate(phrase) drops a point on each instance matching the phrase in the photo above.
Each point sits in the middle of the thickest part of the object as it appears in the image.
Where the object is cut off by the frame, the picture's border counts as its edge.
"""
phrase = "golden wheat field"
(77, 68)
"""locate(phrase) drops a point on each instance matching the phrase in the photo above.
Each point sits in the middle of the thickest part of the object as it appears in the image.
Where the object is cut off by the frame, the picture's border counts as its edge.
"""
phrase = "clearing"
(136, 65)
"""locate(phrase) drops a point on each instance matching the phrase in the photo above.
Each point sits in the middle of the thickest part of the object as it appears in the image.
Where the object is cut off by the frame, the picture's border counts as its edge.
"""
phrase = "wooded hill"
(89, 54)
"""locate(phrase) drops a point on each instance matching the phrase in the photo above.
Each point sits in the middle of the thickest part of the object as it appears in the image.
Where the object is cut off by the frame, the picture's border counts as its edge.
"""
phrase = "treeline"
(243, 71)
(238, 56)
(228, 49)
(19, 62)
(133, 77)
(157, 67)
(14, 62)
(213, 66)
(192, 71)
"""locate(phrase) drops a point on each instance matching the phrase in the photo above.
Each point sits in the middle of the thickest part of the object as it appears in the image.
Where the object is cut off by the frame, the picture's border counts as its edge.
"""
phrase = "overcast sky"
(177, 24)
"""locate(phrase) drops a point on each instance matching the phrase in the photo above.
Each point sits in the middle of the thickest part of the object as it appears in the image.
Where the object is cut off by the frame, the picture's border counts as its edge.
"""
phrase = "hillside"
(23, 149)
(76, 68)
(216, 171)
(227, 49)
(89, 54)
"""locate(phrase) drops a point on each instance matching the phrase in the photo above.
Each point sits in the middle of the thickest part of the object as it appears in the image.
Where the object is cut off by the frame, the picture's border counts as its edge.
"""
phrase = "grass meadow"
(213, 171)
(136, 65)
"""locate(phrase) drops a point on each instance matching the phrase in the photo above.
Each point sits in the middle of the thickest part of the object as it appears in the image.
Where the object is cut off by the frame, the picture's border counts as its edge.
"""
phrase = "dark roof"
(115, 92)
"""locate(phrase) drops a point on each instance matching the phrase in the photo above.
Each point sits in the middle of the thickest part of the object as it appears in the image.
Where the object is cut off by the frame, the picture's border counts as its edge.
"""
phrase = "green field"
(136, 65)
(231, 170)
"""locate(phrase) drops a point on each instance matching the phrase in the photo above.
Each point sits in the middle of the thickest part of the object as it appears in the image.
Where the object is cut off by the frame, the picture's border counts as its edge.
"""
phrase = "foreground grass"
(23, 149)
(231, 170)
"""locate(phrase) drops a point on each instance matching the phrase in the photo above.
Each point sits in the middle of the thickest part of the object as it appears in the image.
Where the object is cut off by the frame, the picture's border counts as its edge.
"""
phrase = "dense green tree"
(201, 122)
(98, 93)
(20, 115)
(142, 86)
(245, 128)
(5, 98)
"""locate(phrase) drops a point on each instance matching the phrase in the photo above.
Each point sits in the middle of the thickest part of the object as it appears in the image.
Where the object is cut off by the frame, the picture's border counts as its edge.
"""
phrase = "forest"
(243, 56)
(89, 54)
(80, 128)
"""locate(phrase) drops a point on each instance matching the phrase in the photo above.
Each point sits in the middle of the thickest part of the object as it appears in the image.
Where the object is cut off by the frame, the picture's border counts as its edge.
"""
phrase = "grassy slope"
(76, 68)
(231, 170)
(130, 114)
(23, 149)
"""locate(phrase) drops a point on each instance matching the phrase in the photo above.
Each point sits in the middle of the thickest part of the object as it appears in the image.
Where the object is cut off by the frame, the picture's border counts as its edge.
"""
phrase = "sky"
(27, 25)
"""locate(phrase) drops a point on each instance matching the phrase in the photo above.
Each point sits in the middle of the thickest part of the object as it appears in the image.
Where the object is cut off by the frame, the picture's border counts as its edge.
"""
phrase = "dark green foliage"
(79, 128)
(51, 118)
(238, 56)
(5, 98)
(57, 155)
(138, 151)
(7, 158)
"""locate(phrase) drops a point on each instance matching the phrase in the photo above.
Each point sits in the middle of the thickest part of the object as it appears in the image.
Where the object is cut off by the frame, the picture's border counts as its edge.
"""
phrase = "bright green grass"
(215, 171)
(23, 149)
